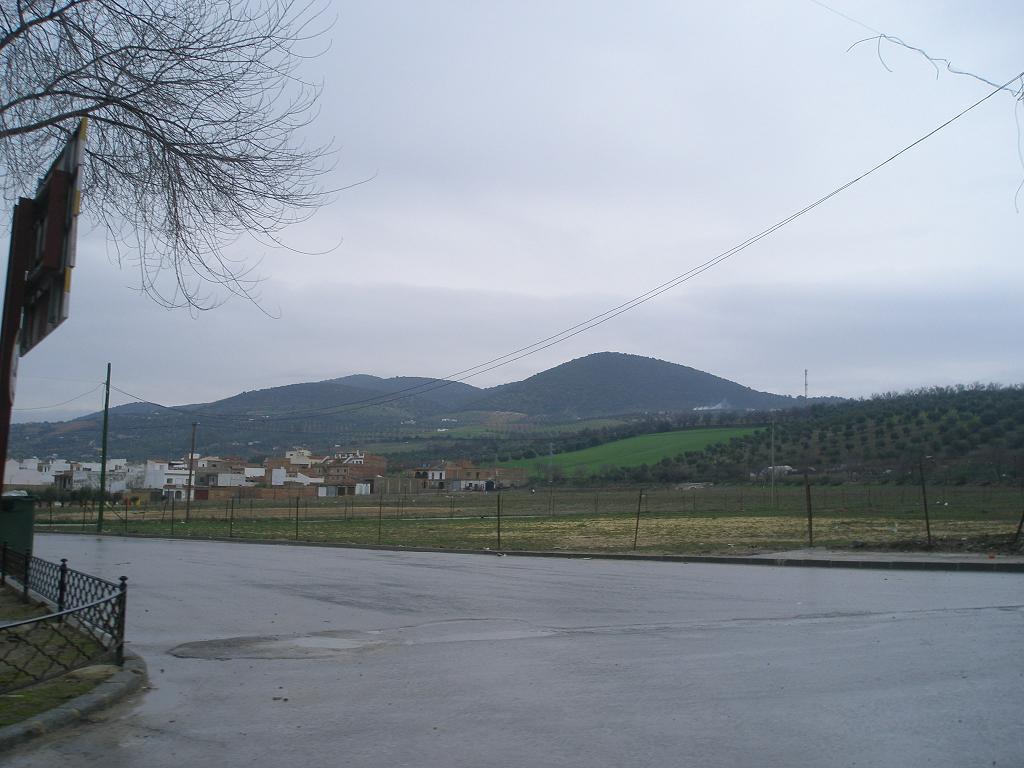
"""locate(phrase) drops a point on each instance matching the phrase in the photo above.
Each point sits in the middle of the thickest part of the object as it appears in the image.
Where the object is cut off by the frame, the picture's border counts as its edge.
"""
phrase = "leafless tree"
(194, 108)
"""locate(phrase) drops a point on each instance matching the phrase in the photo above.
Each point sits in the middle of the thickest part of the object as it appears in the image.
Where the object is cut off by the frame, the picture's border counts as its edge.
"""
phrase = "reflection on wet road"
(276, 655)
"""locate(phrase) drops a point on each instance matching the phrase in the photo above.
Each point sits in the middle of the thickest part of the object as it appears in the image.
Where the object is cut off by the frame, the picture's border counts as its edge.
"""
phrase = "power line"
(256, 424)
(58, 405)
(593, 322)
(211, 415)
(557, 338)
(839, 13)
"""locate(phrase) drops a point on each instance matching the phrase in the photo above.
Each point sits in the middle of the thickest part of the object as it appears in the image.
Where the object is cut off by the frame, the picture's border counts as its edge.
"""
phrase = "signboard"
(41, 257)
(50, 255)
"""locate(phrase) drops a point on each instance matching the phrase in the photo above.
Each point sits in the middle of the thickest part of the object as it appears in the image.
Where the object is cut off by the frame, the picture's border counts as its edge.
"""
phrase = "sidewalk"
(955, 561)
(938, 557)
(124, 681)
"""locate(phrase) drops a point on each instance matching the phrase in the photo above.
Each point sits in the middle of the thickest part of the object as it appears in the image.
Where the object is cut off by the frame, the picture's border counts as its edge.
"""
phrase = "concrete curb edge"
(797, 562)
(987, 566)
(130, 678)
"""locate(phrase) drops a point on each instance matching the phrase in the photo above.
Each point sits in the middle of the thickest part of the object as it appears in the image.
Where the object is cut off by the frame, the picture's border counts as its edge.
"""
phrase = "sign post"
(41, 257)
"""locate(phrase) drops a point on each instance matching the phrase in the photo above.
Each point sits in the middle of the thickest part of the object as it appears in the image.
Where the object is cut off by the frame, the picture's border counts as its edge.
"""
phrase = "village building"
(464, 476)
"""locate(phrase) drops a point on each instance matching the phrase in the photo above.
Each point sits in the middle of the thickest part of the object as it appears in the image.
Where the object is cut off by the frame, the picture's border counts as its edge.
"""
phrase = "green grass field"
(681, 533)
(633, 451)
(721, 519)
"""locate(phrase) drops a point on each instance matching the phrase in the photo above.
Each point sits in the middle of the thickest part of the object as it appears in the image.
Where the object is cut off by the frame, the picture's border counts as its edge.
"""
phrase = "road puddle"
(332, 644)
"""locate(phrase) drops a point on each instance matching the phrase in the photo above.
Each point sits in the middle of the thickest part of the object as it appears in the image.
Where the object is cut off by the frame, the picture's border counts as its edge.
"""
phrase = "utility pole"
(771, 459)
(805, 386)
(103, 454)
(191, 462)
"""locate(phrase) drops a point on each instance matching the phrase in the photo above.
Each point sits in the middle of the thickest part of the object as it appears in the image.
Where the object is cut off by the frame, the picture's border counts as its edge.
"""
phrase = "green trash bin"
(17, 516)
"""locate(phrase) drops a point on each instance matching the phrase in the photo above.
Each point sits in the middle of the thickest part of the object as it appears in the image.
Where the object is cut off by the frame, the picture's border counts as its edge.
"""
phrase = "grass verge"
(663, 533)
(23, 703)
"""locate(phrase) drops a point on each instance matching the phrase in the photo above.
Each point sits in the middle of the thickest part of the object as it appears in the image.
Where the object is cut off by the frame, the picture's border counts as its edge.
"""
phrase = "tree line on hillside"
(955, 435)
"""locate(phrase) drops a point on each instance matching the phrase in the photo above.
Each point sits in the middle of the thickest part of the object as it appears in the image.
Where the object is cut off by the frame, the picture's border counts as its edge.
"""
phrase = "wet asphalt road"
(303, 656)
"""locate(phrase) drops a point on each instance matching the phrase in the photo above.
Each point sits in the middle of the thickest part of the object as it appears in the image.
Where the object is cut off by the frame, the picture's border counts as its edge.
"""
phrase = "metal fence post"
(924, 500)
(122, 606)
(3, 563)
(810, 516)
(25, 581)
(380, 513)
(62, 584)
(636, 531)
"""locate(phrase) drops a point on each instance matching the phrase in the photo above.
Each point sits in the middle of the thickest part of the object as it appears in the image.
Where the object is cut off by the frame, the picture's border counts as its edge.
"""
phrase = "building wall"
(285, 495)
(26, 472)
(353, 467)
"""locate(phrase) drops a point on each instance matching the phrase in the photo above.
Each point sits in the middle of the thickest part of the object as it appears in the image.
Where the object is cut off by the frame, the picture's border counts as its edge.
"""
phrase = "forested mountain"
(356, 410)
(610, 383)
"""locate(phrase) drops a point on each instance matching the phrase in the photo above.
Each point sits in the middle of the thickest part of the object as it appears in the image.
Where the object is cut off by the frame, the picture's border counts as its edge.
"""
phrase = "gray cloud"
(538, 163)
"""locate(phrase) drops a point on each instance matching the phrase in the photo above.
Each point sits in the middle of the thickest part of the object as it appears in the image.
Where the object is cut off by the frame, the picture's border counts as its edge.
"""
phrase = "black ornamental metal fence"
(86, 627)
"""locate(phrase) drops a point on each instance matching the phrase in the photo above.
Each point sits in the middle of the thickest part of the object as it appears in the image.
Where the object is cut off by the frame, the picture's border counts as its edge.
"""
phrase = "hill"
(955, 435)
(611, 383)
(447, 395)
(405, 395)
(410, 414)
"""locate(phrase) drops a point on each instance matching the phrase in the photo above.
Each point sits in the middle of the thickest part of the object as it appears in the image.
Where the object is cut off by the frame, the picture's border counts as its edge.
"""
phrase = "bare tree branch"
(1017, 91)
(935, 61)
(194, 107)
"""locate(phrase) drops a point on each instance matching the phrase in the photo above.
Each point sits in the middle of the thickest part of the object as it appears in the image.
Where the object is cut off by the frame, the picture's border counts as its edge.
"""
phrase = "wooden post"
(191, 470)
(103, 454)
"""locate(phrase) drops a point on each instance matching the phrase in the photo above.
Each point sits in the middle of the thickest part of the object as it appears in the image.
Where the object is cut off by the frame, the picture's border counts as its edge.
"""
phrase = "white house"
(26, 472)
(168, 477)
(86, 475)
(279, 476)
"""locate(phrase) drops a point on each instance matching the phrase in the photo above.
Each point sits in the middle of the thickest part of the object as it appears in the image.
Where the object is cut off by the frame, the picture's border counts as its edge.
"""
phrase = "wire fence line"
(681, 518)
(686, 498)
(86, 627)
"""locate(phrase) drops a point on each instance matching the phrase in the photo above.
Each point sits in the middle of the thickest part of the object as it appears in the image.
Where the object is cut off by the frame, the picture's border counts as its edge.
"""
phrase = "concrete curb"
(799, 562)
(128, 679)
(880, 561)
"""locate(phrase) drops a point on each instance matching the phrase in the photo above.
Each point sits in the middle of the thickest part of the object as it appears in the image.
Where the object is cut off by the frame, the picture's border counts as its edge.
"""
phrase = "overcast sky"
(536, 163)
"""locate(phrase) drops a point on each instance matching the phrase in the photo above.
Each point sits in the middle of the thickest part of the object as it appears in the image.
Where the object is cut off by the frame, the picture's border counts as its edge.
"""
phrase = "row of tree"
(970, 434)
